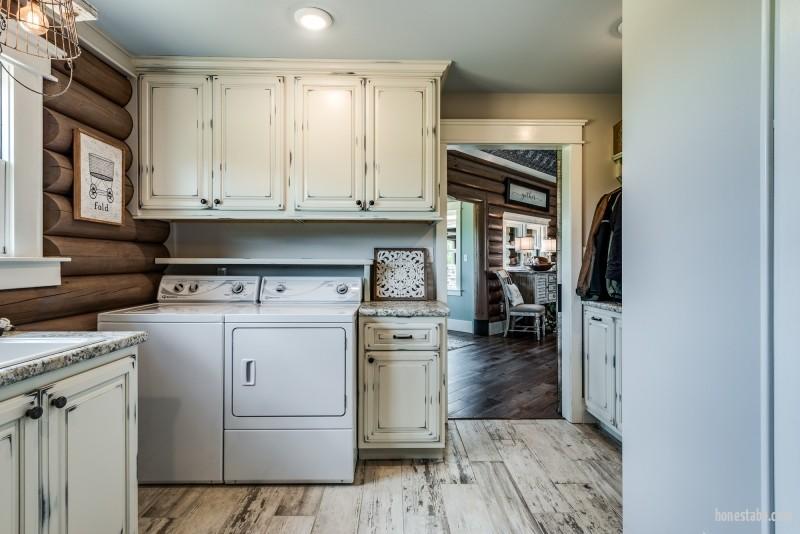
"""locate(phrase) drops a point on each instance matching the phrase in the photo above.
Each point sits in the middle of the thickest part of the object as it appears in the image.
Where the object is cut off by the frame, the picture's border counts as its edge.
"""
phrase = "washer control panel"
(316, 289)
(208, 289)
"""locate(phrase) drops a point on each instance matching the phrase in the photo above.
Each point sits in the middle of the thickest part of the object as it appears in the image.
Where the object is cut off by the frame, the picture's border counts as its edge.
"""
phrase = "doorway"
(501, 368)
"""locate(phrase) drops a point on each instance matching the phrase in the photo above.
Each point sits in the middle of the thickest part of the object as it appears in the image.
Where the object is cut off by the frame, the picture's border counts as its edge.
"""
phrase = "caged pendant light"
(40, 28)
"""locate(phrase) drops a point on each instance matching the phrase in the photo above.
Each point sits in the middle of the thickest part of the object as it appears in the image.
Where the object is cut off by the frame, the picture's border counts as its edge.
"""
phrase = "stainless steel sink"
(18, 349)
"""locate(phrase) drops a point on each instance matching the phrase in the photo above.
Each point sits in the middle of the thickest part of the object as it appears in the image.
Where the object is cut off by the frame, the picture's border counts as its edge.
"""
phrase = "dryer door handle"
(248, 372)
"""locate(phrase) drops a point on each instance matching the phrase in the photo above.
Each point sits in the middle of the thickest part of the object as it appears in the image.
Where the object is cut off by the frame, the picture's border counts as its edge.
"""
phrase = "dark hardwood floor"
(503, 378)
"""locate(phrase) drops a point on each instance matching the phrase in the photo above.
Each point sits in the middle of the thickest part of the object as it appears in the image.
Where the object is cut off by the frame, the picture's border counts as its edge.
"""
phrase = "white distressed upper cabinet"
(248, 143)
(175, 151)
(598, 341)
(92, 451)
(19, 466)
(401, 144)
(402, 397)
(328, 156)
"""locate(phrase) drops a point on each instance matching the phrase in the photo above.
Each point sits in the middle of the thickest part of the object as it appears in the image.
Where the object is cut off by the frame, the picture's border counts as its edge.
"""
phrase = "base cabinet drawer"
(401, 336)
(401, 397)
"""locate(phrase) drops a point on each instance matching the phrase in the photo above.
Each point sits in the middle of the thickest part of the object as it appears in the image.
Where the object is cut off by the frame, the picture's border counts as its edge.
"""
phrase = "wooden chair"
(514, 313)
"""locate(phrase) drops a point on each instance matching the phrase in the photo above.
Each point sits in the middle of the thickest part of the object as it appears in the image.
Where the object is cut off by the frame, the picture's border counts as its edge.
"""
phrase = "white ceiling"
(496, 45)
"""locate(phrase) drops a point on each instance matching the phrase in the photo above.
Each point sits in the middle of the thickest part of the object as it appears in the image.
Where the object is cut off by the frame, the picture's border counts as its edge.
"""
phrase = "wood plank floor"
(498, 476)
(498, 377)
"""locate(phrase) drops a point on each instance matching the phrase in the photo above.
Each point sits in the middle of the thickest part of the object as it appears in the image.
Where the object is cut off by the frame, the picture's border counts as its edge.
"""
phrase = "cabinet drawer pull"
(595, 318)
(371, 359)
(402, 336)
(59, 402)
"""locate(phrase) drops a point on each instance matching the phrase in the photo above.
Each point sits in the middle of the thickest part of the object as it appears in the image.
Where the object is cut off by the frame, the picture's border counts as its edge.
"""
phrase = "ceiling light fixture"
(313, 18)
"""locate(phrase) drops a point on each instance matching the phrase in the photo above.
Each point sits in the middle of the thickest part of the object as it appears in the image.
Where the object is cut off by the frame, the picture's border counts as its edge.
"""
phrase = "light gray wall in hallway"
(691, 110)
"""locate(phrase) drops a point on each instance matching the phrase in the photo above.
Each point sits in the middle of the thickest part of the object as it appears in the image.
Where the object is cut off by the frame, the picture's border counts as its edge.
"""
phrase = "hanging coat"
(591, 280)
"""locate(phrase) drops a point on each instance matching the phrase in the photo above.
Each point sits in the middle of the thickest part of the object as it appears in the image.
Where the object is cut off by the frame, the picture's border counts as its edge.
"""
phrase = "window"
(516, 226)
(454, 247)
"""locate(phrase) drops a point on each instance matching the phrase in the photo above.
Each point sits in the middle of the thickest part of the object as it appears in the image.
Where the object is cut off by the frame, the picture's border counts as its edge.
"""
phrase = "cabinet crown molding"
(351, 67)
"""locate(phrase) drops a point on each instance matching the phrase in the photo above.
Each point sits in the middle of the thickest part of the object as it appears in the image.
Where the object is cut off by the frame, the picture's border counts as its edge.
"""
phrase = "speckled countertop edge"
(404, 308)
(106, 343)
(604, 305)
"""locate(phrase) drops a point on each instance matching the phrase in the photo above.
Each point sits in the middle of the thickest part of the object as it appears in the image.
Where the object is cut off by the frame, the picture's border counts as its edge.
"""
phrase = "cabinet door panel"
(248, 142)
(402, 397)
(19, 467)
(401, 144)
(92, 451)
(598, 350)
(329, 156)
(176, 141)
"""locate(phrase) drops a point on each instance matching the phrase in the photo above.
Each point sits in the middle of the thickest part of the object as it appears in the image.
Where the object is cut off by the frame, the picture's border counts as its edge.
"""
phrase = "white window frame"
(23, 264)
(457, 207)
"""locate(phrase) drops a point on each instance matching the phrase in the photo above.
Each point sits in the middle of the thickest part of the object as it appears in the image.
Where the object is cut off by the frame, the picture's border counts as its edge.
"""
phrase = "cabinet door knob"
(59, 402)
(217, 202)
(371, 359)
(358, 202)
(371, 202)
(35, 412)
(203, 201)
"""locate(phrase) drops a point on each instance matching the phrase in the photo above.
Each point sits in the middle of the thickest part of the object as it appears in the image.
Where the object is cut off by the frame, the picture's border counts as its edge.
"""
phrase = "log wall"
(483, 183)
(112, 266)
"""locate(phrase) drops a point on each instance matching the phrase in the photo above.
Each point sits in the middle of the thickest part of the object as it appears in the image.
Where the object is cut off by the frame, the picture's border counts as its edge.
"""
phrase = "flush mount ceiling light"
(313, 18)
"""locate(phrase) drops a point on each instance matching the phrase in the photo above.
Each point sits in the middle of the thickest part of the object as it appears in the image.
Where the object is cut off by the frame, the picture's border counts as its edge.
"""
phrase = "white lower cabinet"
(82, 432)
(602, 370)
(19, 465)
(402, 377)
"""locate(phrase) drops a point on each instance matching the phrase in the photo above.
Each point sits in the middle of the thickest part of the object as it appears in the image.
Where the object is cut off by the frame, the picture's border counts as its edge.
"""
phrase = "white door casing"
(248, 143)
(401, 144)
(175, 147)
(328, 162)
(568, 136)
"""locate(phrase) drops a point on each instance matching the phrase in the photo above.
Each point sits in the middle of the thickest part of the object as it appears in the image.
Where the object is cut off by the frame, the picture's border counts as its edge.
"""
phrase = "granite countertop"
(404, 308)
(607, 305)
(101, 344)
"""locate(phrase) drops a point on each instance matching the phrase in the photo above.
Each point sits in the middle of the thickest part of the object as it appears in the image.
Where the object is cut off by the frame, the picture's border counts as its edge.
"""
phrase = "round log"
(100, 256)
(59, 221)
(58, 134)
(85, 322)
(98, 76)
(88, 107)
(78, 295)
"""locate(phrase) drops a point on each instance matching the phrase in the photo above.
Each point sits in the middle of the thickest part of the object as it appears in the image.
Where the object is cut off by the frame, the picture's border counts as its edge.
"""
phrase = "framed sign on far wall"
(98, 179)
(527, 195)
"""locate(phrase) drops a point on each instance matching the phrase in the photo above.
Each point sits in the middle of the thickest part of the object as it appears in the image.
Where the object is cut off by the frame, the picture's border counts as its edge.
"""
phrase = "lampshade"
(523, 244)
(40, 28)
(549, 245)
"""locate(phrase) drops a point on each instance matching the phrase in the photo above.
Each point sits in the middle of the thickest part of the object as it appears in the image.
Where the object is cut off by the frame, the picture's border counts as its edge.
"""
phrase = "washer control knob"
(280, 288)
(193, 287)
(178, 287)
(342, 289)
(237, 288)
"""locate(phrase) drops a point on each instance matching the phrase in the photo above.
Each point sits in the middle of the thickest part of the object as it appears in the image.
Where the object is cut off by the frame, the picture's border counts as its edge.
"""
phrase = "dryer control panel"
(311, 289)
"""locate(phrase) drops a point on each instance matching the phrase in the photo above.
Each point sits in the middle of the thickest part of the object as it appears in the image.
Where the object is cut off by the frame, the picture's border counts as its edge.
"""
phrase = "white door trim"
(568, 136)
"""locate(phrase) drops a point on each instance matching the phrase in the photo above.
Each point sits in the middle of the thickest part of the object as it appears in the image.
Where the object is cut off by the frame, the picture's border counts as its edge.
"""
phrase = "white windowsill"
(25, 272)
(455, 292)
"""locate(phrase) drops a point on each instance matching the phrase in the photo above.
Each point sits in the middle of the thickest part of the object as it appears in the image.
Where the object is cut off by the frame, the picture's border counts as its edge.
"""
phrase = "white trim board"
(568, 136)
(460, 325)
(263, 261)
(491, 158)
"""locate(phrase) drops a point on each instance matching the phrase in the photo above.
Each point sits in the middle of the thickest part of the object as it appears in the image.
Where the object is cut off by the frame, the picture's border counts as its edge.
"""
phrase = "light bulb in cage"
(32, 18)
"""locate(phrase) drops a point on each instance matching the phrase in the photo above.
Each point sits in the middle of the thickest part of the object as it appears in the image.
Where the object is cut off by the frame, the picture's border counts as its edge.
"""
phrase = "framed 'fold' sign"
(98, 167)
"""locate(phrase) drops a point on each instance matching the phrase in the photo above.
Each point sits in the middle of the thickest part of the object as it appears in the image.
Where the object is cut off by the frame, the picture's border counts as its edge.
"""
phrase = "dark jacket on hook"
(596, 256)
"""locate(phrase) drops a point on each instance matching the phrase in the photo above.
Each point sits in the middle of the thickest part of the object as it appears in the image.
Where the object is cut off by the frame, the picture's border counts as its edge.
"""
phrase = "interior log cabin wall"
(112, 266)
(478, 181)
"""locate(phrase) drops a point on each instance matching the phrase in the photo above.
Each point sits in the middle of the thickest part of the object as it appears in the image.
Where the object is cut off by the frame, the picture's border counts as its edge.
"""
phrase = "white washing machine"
(181, 369)
(290, 383)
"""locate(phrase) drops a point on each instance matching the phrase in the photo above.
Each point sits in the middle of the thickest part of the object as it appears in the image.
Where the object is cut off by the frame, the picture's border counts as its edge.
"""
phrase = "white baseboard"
(459, 325)
(497, 327)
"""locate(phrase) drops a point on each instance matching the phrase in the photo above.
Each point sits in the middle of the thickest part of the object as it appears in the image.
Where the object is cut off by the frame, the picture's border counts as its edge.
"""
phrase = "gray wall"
(692, 361)
(462, 307)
